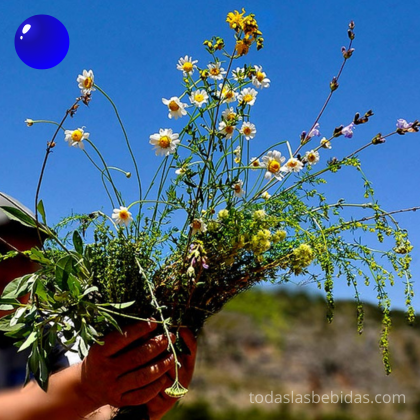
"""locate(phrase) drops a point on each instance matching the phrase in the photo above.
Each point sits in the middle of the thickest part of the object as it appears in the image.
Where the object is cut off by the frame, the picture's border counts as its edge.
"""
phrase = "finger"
(144, 376)
(115, 341)
(142, 395)
(144, 353)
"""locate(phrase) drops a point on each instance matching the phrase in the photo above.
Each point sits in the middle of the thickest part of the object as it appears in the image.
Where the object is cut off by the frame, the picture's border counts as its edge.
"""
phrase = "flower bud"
(29, 122)
(333, 84)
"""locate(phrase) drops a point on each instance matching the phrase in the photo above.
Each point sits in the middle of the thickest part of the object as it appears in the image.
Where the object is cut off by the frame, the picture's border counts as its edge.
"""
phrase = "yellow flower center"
(231, 116)
(229, 94)
(237, 188)
(247, 130)
(273, 166)
(311, 157)
(248, 97)
(187, 67)
(260, 76)
(292, 163)
(255, 163)
(164, 142)
(76, 135)
(229, 129)
(173, 106)
(88, 83)
(123, 214)
(214, 71)
(196, 224)
(199, 97)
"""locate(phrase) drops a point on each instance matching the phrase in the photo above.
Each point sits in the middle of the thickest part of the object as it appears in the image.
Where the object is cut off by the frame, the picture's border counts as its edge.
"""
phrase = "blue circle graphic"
(42, 41)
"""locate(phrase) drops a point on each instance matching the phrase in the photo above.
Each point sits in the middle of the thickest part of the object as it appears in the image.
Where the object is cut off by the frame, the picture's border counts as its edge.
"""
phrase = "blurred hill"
(281, 342)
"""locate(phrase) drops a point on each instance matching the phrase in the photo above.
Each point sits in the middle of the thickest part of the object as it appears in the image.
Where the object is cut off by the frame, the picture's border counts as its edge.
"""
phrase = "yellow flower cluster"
(246, 26)
(278, 236)
(261, 241)
(301, 257)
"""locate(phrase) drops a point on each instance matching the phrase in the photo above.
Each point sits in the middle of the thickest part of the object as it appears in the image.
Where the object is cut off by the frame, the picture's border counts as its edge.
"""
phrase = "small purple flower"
(315, 131)
(403, 124)
(348, 130)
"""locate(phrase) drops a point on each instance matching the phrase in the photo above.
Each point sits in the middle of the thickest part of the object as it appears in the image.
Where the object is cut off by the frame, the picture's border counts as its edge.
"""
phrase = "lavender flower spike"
(348, 130)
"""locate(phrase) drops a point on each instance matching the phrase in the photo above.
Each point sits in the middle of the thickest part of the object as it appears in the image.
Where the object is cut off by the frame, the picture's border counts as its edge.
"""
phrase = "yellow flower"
(235, 19)
(259, 214)
(223, 214)
(265, 195)
(250, 26)
(242, 46)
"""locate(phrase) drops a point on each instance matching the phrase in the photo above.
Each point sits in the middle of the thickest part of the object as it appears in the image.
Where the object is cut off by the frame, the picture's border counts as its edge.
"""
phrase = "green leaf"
(41, 211)
(31, 339)
(83, 348)
(120, 305)
(5, 307)
(41, 292)
(17, 287)
(19, 216)
(63, 268)
(43, 372)
(37, 255)
(5, 324)
(111, 320)
(90, 290)
(74, 285)
(78, 242)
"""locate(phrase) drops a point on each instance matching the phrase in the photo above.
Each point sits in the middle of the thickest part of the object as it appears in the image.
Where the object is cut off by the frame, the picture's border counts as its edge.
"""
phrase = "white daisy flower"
(186, 65)
(229, 114)
(255, 163)
(215, 71)
(75, 137)
(248, 96)
(292, 165)
(165, 142)
(198, 225)
(239, 74)
(265, 195)
(199, 98)
(312, 157)
(237, 188)
(227, 130)
(248, 130)
(227, 94)
(260, 79)
(122, 216)
(325, 143)
(272, 162)
(175, 106)
(86, 82)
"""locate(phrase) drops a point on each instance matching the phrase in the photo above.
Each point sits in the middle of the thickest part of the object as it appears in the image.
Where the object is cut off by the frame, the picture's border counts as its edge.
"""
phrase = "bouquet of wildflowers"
(220, 216)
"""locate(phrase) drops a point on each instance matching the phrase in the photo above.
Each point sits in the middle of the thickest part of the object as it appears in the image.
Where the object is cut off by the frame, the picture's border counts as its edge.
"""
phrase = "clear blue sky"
(133, 48)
